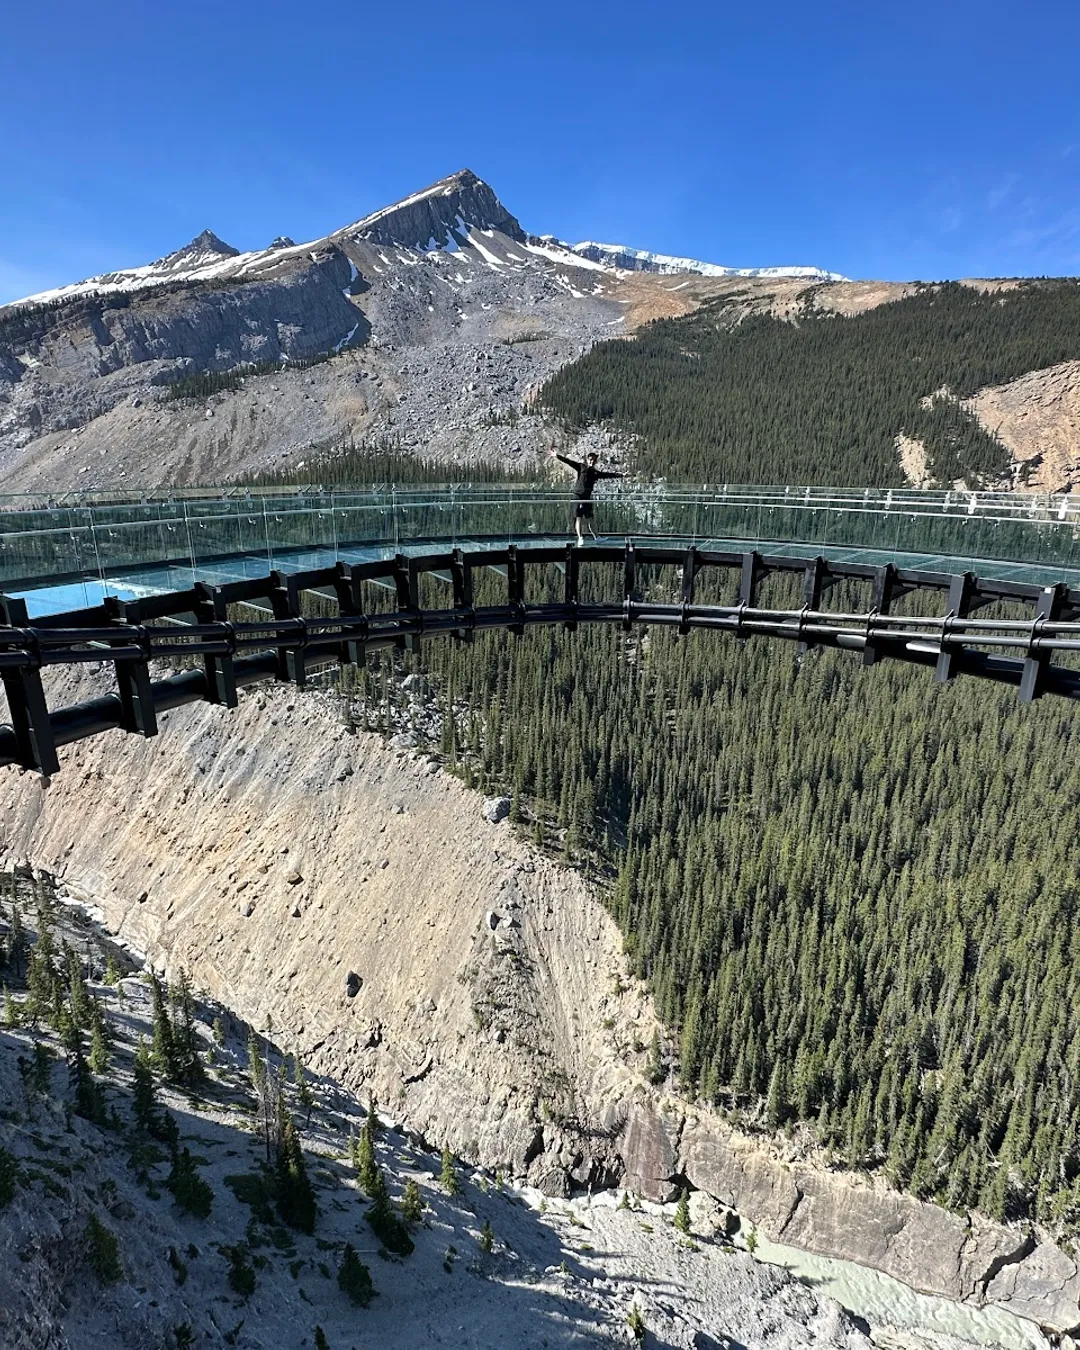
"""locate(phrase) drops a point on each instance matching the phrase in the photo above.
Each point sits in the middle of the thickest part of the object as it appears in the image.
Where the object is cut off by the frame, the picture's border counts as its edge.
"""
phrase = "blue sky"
(892, 139)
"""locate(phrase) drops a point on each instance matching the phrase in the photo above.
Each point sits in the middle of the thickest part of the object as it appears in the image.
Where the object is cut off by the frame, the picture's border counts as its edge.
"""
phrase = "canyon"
(353, 893)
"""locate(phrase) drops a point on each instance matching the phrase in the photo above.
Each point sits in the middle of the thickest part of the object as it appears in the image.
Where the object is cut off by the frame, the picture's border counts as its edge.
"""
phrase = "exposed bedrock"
(64, 367)
(431, 214)
(358, 897)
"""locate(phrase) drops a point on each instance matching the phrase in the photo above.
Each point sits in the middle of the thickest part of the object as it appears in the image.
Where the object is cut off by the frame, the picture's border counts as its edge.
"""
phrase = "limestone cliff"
(356, 895)
(64, 367)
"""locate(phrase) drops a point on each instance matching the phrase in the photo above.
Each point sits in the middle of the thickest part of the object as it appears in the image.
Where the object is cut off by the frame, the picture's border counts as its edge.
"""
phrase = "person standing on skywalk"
(588, 475)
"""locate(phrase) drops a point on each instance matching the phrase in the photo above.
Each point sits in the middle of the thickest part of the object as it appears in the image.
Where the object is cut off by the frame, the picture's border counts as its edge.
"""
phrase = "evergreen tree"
(99, 1038)
(241, 1274)
(412, 1203)
(102, 1251)
(448, 1177)
(89, 1098)
(13, 1010)
(367, 1170)
(654, 1064)
(164, 1046)
(143, 1095)
(192, 1194)
(9, 1177)
(385, 1223)
(17, 945)
(78, 994)
(682, 1212)
(41, 1074)
(354, 1278)
(187, 1063)
(295, 1196)
(42, 982)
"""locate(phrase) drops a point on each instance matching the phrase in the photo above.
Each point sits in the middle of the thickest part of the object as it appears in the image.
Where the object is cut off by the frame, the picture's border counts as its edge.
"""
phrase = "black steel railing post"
(1049, 606)
(961, 592)
(35, 744)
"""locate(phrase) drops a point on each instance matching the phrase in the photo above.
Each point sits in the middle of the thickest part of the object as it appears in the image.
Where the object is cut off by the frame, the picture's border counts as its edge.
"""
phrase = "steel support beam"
(285, 602)
(1050, 606)
(961, 594)
(570, 586)
(34, 744)
(133, 677)
(211, 607)
(886, 590)
(751, 572)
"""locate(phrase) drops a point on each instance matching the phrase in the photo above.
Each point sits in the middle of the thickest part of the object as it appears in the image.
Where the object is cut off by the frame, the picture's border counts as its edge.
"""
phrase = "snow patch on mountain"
(205, 257)
(623, 258)
(549, 247)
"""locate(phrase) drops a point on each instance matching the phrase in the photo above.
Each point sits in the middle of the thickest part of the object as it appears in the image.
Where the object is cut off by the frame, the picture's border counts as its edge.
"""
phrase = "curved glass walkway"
(71, 553)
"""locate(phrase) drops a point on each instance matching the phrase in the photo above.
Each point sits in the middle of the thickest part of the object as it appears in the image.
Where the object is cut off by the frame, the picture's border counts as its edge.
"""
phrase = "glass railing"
(98, 535)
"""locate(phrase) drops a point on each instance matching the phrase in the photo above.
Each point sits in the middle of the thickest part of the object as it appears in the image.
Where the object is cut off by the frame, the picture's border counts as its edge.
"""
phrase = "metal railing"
(656, 584)
(93, 538)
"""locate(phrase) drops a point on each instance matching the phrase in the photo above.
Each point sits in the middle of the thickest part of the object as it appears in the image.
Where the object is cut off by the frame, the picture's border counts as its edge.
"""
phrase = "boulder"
(496, 809)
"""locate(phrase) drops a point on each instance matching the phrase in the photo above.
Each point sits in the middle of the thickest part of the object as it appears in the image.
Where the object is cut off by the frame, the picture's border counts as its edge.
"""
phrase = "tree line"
(720, 396)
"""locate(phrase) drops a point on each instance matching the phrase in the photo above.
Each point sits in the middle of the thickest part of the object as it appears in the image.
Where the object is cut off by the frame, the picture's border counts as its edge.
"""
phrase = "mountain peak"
(204, 248)
(447, 209)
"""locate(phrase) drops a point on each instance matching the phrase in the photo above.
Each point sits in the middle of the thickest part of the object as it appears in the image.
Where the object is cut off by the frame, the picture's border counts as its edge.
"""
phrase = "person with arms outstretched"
(588, 475)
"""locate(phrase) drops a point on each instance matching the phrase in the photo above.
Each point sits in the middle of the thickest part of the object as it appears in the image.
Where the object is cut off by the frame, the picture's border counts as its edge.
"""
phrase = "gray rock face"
(647, 1148)
(433, 214)
(63, 367)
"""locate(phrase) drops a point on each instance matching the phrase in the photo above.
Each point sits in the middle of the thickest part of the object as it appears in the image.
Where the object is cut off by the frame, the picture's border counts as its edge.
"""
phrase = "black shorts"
(583, 510)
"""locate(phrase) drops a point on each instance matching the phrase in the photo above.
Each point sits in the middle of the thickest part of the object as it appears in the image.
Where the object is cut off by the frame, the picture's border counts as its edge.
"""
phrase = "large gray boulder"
(496, 809)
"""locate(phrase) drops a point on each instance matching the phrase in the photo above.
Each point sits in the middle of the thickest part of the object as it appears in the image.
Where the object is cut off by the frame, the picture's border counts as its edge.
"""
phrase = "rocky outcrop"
(445, 209)
(65, 367)
(1038, 418)
(354, 894)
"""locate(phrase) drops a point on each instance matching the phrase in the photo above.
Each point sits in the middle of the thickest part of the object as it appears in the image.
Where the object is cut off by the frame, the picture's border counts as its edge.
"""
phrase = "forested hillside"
(717, 396)
(854, 892)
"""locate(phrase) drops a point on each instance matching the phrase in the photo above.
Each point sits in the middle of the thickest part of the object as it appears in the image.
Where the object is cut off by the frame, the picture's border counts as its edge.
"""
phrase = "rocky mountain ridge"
(639, 260)
(412, 303)
(443, 216)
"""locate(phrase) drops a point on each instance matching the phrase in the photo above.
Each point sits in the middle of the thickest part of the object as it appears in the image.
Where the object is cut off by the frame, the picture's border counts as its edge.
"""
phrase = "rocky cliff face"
(446, 210)
(356, 895)
(64, 367)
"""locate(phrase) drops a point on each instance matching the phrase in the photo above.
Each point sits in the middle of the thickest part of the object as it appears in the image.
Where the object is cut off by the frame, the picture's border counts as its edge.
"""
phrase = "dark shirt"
(587, 477)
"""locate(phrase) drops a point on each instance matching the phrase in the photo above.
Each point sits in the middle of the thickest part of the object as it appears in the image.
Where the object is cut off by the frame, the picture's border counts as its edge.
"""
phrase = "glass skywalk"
(70, 553)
